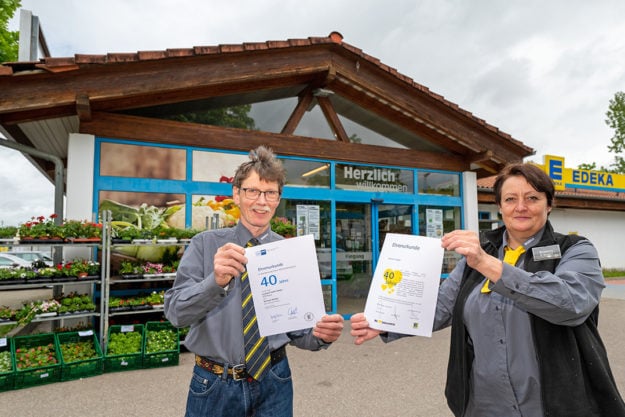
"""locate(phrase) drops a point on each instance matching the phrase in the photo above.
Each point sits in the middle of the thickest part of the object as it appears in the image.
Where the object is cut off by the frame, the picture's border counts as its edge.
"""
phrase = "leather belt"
(237, 372)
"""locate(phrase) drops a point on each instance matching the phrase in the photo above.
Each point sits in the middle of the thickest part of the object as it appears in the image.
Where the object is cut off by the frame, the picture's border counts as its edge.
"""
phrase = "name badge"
(546, 252)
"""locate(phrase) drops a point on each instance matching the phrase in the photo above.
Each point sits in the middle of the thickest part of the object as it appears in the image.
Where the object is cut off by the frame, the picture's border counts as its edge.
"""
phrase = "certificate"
(404, 288)
(286, 286)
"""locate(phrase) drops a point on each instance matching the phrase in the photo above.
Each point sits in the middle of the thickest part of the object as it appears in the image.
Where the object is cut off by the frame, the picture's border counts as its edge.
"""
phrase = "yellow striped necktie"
(511, 256)
(257, 355)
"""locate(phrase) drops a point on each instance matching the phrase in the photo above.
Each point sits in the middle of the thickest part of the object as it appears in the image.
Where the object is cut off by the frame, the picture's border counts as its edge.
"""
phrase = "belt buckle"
(236, 369)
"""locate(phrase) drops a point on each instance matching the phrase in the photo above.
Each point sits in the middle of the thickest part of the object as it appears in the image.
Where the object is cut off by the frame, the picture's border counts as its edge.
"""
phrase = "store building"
(368, 150)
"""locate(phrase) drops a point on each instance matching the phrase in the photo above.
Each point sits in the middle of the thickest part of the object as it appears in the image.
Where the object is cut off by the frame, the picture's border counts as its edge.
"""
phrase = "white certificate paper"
(286, 286)
(404, 288)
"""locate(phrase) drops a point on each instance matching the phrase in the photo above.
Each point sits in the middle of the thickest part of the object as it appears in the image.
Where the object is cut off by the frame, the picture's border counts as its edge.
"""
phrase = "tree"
(235, 116)
(9, 44)
(615, 120)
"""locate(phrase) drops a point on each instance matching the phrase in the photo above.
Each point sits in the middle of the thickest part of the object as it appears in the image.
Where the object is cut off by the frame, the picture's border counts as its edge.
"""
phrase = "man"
(207, 295)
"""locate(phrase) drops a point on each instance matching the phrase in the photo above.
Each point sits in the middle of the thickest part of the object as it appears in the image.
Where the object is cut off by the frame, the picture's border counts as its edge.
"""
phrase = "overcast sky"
(541, 71)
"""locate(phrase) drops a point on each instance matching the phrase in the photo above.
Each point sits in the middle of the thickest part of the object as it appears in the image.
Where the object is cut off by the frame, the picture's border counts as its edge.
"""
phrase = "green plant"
(129, 268)
(155, 298)
(8, 232)
(30, 310)
(41, 228)
(283, 227)
(161, 341)
(81, 229)
(35, 357)
(6, 365)
(6, 313)
(77, 267)
(124, 343)
(78, 351)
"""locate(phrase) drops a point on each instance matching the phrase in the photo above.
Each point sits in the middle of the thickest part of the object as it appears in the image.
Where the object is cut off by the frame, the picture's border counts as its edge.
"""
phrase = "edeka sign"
(370, 178)
(580, 178)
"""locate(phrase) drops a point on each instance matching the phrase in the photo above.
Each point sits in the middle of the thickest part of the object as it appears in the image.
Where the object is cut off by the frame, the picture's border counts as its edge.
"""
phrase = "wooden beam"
(205, 136)
(332, 118)
(83, 107)
(296, 116)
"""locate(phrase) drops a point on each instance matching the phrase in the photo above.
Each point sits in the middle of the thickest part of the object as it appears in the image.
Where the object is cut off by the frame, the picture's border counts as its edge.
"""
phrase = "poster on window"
(308, 220)
(434, 223)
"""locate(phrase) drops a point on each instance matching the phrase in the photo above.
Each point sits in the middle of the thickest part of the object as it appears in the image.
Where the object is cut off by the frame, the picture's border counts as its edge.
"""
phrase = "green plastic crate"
(163, 357)
(32, 376)
(7, 379)
(126, 361)
(80, 368)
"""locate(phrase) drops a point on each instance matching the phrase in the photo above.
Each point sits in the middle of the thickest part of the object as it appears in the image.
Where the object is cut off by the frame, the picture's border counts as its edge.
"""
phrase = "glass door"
(360, 232)
(353, 255)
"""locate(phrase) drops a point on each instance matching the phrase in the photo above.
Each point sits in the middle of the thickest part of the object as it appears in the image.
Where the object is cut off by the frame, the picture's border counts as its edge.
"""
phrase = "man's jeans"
(212, 395)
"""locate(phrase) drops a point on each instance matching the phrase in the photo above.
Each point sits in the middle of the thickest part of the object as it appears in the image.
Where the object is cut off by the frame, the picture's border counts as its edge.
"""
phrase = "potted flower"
(6, 313)
(283, 227)
(41, 228)
(129, 269)
(82, 231)
(82, 268)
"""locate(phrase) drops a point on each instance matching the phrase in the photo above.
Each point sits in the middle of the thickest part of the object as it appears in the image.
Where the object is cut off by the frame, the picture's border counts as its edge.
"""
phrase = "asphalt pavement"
(403, 378)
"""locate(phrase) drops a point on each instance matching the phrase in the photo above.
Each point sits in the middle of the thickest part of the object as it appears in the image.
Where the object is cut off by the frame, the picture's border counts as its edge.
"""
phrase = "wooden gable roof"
(111, 95)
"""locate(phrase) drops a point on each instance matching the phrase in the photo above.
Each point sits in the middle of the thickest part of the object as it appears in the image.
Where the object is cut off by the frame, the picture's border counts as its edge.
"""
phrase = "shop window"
(307, 173)
(487, 221)
(439, 183)
(144, 210)
(122, 160)
(216, 166)
(435, 221)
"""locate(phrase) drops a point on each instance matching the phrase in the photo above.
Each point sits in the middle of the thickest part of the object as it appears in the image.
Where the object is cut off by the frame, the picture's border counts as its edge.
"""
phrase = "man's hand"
(229, 261)
(329, 328)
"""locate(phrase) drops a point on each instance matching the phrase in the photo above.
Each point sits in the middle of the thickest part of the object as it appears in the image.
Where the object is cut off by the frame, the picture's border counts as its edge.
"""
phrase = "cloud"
(543, 72)
(25, 192)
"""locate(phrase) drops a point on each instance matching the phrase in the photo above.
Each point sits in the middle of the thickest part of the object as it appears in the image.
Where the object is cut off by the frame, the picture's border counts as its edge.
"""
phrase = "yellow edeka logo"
(580, 178)
(391, 278)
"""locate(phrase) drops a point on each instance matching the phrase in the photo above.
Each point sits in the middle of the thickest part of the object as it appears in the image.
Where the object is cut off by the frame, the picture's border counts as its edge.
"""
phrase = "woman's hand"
(467, 244)
(361, 330)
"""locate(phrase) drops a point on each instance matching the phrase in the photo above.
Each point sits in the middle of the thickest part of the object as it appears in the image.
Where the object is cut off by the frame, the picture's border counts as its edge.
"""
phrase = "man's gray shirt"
(213, 313)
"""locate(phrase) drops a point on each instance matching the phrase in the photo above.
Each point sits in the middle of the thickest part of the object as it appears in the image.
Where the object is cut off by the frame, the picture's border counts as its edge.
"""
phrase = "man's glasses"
(253, 194)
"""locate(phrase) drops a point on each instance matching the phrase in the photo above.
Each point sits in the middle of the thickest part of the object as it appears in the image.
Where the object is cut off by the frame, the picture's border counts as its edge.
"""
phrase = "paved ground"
(404, 378)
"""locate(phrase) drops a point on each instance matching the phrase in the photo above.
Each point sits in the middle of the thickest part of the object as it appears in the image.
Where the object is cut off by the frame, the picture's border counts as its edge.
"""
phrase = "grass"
(613, 273)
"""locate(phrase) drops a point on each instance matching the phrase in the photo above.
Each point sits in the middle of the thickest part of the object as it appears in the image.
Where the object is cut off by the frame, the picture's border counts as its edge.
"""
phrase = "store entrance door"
(360, 232)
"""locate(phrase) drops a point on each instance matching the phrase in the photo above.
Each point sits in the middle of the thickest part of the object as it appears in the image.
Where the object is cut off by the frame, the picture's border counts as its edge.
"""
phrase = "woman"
(524, 338)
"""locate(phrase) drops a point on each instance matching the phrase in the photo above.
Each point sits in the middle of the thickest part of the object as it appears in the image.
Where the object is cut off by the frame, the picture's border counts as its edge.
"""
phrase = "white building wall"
(605, 229)
(469, 196)
(79, 192)
(80, 152)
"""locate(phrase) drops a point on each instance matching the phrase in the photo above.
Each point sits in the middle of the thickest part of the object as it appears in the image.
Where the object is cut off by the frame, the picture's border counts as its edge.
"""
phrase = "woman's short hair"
(535, 176)
(265, 163)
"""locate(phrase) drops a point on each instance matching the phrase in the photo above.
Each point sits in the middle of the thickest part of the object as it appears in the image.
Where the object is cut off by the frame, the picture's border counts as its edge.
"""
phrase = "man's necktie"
(257, 355)
(510, 257)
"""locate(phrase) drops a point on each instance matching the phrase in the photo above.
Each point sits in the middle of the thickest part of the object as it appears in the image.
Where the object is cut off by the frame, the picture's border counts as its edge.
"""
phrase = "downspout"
(59, 170)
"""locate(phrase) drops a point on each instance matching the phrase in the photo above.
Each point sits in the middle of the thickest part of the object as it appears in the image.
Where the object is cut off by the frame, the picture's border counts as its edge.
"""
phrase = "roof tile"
(122, 57)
